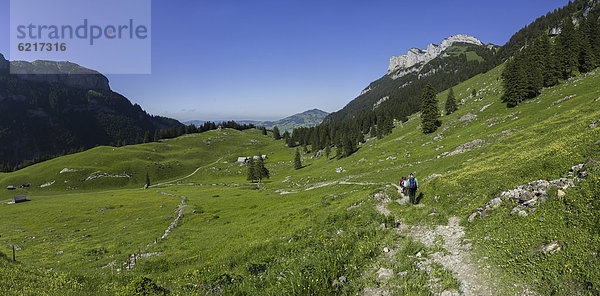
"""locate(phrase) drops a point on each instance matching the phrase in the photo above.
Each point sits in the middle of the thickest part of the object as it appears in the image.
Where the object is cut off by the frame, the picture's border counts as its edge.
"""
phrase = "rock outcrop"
(526, 197)
(417, 56)
(66, 73)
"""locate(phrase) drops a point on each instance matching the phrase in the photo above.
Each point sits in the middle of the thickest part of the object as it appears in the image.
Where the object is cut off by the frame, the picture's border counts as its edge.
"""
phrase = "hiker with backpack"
(401, 183)
(413, 185)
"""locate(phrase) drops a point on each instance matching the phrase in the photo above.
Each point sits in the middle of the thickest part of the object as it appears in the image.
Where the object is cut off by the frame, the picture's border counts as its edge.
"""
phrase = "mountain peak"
(419, 56)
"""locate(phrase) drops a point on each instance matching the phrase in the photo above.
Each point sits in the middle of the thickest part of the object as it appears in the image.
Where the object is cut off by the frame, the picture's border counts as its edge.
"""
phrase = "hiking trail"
(473, 277)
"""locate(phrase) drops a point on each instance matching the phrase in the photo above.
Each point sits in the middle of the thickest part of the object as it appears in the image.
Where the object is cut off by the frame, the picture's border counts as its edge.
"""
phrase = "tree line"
(546, 60)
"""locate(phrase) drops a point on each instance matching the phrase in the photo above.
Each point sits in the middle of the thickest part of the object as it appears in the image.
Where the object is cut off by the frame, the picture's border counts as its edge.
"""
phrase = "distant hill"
(49, 114)
(201, 122)
(308, 118)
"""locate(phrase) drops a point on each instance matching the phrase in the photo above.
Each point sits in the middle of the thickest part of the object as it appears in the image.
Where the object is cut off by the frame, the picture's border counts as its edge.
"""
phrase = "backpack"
(412, 183)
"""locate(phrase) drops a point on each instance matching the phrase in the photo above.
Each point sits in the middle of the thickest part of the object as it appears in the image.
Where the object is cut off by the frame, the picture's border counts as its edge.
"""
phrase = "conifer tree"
(276, 134)
(147, 137)
(586, 57)
(450, 102)
(327, 151)
(251, 175)
(429, 110)
(387, 124)
(156, 136)
(286, 137)
(297, 160)
(373, 131)
(348, 147)
(567, 48)
(260, 170)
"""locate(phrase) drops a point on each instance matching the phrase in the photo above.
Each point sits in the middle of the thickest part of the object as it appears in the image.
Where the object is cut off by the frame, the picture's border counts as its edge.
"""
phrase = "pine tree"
(147, 137)
(547, 56)
(276, 134)
(429, 110)
(348, 146)
(586, 57)
(373, 131)
(450, 102)
(286, 137)
(261, 171)
(568, 45)
(387, 124)
(156, 136)
(297, 160)
(327, 151)
(593, 33)
(252, 174)
(264, 131)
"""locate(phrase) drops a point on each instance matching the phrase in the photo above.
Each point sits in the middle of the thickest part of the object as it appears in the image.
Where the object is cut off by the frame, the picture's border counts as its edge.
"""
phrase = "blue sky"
(214, 60)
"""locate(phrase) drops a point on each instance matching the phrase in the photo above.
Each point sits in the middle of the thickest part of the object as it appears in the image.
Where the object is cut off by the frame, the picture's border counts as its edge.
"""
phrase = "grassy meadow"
(313, 231)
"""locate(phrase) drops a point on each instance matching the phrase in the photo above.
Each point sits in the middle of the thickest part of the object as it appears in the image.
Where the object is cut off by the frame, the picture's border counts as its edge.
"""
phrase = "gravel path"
(473, 279)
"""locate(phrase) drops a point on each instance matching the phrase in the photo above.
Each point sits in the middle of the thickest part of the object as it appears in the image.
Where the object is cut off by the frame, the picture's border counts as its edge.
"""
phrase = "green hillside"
(308, 118)
(318, 230)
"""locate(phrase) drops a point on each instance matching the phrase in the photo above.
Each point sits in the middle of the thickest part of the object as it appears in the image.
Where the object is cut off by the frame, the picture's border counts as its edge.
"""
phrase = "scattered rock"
(562, 100)
(551, 248)
(472, 217)
(467, 117)
(418, 255)
(59, 252)
(531, 194)
(466, 147)
(385, 274)
(495, 202)
(386, 250)
(594, 124)
(432, 176)
(340, 170)
(485, 107)
(596, 100)
(450, 293)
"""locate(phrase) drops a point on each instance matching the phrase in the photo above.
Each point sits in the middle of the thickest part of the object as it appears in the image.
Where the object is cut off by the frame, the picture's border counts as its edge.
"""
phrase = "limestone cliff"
(417, 56)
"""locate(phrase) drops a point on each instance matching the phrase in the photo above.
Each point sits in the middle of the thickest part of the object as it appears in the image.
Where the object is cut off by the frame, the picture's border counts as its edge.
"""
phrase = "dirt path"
(473, 279)
(456, 257)
(183, 178)
(324, 184)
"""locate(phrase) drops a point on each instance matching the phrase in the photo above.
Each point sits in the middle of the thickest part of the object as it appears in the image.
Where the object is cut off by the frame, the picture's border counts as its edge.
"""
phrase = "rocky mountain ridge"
(417, 56)
(51, 114)
(66, 73)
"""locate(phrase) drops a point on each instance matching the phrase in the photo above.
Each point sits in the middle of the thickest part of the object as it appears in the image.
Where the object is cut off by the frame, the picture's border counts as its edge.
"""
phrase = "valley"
(264, 238)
